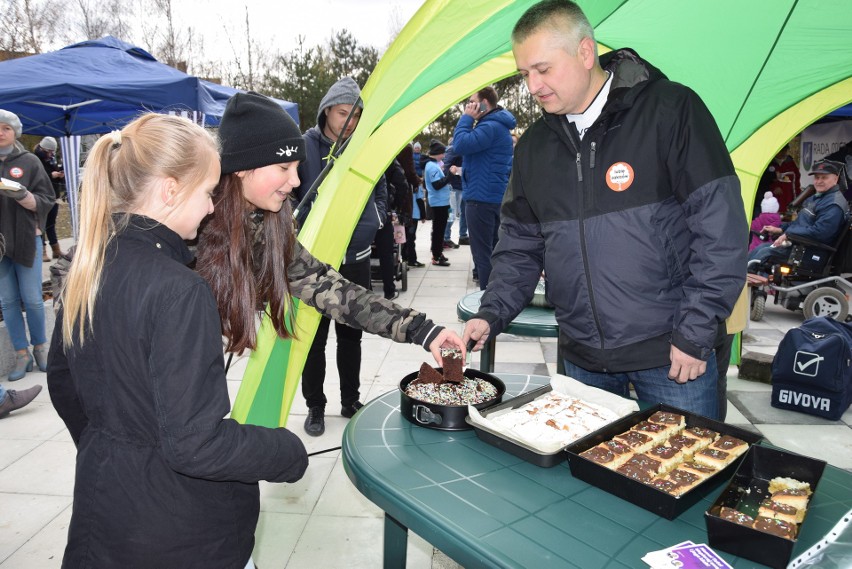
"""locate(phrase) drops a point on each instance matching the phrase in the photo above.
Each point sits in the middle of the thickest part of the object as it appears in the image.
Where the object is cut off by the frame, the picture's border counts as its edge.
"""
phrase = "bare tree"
(97, 18)
(29, 26)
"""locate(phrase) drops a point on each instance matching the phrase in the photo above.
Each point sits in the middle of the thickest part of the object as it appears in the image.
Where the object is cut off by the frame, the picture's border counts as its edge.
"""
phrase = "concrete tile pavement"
(323, 520)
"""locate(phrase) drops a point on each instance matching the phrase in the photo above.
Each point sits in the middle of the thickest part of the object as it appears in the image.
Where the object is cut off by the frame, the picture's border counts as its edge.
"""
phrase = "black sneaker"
(441, 262)
(415, 264)
(349, 410)
(315, 423)
(464, 240)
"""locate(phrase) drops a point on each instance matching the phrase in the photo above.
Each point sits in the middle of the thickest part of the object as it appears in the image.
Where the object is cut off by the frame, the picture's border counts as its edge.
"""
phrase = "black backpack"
(812, 370)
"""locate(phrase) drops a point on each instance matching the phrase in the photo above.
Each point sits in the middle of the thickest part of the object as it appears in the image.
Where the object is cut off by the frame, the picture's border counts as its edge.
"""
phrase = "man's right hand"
(477, 330)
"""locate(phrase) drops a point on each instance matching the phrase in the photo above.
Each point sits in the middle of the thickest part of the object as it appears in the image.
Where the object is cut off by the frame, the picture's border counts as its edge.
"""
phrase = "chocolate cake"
(430, 386)
(686, 445)
(639, 442)
(453, 363)
(775, 527)
(772, 509)
(669, 419)
(427, 374)
(796, 498)
(669, 457)
(713, 457)
(736, 516)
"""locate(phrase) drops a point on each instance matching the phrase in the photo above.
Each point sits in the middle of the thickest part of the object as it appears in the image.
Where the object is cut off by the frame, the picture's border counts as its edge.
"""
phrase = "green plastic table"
(533, 321)
(486, 508)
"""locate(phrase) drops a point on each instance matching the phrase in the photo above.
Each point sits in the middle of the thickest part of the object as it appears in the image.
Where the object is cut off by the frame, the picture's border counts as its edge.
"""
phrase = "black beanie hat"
(436, 148)
(256, 132)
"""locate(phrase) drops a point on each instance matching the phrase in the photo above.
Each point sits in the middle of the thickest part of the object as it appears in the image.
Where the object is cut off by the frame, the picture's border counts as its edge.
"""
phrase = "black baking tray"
(748, 487)
(512, 446)
(661, 503)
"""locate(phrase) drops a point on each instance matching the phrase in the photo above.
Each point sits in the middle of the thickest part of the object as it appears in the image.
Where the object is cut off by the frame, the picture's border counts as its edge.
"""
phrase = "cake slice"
(611, 454)
(736, 516)
(775, 527)
(781, 483)
(635, 472)
(669, 457)
(684, 479)
(713, 457)
(796, 498)
(702, 435)
(770, 509)
(644, 461)
(701, 470)
(686, 445)
(427, 374)
(639, 442)
(452, 361)
(674, 421)
(730, 444)
(656, 431)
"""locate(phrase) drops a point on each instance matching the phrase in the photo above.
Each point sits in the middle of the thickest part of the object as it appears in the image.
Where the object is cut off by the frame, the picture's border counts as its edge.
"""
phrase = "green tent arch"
(452, 48)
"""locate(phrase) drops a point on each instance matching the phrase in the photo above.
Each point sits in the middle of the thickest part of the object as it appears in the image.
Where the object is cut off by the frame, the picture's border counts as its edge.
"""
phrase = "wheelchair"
(810, 280)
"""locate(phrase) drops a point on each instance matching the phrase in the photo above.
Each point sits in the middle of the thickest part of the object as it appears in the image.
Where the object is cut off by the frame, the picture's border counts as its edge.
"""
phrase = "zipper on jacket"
(575, 147)
(590, 199)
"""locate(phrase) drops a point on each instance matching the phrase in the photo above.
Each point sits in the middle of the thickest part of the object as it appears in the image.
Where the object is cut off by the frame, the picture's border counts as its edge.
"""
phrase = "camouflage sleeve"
(320, 286)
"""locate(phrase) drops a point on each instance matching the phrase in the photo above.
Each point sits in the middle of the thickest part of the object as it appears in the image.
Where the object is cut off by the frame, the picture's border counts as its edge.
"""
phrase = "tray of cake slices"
(760, 513)
(537, 425)
(662, 458)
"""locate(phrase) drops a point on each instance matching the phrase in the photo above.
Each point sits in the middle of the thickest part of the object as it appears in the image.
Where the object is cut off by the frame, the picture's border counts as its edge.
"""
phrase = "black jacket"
(18, 224)
(163, 479)
(630, 268)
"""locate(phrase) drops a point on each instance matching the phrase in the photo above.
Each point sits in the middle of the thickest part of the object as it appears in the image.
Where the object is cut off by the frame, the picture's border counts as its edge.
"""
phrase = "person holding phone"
(483, 139)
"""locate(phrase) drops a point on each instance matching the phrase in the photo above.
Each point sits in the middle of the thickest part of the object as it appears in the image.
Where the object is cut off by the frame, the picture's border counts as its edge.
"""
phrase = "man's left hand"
(685, 367)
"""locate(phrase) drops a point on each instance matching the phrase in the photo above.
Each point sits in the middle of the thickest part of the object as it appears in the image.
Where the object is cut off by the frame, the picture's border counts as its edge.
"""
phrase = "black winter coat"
(163, 480)
(639, 227)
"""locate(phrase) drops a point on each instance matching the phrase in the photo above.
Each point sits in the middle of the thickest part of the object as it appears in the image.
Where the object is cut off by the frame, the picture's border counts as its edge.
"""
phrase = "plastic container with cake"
(661, 458)
(438, 398)
(759, 514)
(537, 425)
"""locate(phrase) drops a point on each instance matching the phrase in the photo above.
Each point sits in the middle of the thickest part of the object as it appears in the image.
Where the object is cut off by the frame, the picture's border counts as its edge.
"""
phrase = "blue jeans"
(654, 386)
(767, 254)
(457, 206)
(483, 221)
(18, 283)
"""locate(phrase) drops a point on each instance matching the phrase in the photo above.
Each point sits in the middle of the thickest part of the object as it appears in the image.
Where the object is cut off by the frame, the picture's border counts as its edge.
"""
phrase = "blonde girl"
(136, 368)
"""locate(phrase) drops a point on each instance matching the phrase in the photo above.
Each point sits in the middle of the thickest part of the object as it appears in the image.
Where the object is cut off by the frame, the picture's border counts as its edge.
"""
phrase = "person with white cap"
(768, 216)
(27, 198)
(46, 152)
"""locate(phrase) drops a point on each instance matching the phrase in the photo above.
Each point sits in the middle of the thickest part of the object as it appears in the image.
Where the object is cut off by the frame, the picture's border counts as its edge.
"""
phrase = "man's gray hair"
(561, 16)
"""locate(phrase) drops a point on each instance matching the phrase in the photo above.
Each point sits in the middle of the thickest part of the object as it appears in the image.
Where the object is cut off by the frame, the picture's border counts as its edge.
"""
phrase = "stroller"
(400, 268)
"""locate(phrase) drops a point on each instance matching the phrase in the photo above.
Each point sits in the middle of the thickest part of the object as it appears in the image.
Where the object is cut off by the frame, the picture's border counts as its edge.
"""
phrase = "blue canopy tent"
(98, 86)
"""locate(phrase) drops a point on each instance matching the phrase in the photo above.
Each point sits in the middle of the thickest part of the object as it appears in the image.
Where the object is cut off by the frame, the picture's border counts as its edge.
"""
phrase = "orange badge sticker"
(619, 176)
(16, 172)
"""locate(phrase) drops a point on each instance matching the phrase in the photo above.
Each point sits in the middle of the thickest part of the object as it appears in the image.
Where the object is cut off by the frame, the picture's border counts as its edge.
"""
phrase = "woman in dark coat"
(24, 203)
(137, 374)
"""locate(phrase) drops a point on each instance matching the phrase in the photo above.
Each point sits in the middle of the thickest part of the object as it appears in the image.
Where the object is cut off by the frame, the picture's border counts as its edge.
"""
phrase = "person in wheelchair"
(822, 218)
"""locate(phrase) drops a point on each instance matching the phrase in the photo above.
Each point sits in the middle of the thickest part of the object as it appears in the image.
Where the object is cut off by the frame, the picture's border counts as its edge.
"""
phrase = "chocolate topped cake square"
(453, 362)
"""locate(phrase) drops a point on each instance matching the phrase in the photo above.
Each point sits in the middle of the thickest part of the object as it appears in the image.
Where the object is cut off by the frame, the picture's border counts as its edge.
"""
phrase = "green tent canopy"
(765, 68)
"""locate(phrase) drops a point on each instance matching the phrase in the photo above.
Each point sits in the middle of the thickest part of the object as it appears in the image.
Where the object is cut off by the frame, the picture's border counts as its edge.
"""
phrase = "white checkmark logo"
(806, 360)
